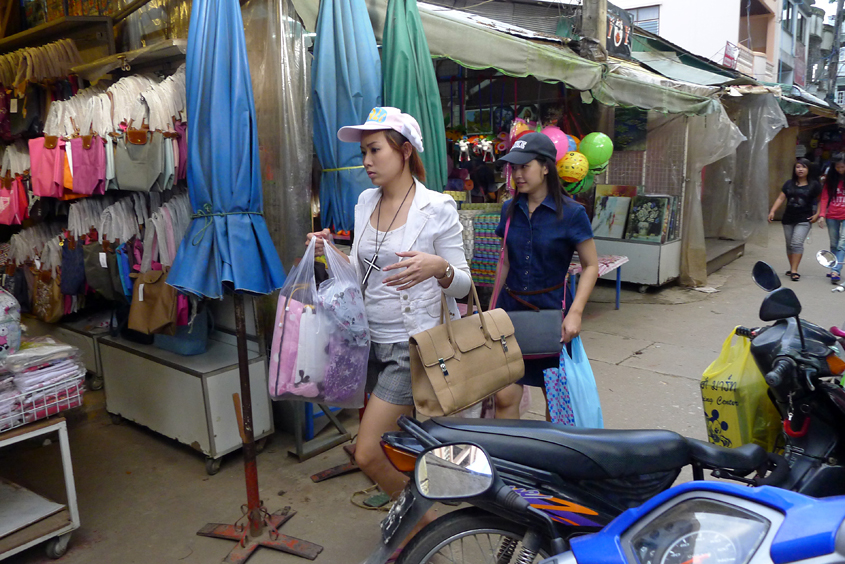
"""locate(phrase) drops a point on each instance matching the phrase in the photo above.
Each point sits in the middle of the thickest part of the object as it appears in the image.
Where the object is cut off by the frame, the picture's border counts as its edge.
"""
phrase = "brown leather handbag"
(459, 363)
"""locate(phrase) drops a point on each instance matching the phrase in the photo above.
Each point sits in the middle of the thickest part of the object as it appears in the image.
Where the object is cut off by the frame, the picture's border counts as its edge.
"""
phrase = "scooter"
(720, 523)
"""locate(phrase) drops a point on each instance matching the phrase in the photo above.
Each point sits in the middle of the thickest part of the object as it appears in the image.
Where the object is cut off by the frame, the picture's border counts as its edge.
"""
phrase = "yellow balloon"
(573, 167)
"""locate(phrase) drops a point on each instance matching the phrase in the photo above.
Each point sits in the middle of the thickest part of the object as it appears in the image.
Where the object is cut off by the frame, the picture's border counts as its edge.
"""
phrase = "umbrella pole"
(250, 467)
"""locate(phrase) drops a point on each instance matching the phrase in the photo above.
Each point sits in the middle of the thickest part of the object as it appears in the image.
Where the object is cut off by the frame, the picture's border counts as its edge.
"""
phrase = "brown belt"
(515, 294)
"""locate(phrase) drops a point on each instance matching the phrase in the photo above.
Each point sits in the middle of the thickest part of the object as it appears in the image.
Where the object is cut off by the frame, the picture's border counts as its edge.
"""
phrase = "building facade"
(740, 33)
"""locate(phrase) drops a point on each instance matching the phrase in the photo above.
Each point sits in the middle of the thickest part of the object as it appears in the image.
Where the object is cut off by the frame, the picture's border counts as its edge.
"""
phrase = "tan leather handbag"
(459, 363)
(153, 308)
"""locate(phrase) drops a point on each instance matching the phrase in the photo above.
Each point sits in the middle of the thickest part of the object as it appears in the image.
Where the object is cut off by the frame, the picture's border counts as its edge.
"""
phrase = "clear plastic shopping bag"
(321, 340)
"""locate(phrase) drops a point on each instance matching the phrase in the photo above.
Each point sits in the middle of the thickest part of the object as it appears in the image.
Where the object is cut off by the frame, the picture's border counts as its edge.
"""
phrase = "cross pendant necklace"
(371, 264)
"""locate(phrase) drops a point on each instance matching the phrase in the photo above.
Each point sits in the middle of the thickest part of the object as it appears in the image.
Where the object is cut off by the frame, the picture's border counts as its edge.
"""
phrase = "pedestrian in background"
(832, 211)
(801, 193)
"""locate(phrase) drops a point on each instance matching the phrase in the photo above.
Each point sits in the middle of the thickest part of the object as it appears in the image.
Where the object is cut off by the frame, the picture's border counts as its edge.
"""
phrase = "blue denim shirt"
(540, 249)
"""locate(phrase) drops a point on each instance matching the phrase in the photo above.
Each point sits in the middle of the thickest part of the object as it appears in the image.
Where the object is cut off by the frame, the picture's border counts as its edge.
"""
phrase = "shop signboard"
(620, 28)
(800, 67)
(731, 55)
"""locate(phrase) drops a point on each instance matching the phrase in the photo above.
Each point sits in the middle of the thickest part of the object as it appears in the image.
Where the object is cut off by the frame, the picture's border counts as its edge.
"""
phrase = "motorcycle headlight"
(699, 531)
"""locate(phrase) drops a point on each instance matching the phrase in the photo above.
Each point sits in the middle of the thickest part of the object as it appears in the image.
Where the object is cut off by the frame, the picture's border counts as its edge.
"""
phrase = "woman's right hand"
(322, 237)
(771, 216)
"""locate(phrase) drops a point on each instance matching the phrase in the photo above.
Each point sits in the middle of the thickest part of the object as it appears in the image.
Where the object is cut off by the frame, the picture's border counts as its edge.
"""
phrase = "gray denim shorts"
(389, 373)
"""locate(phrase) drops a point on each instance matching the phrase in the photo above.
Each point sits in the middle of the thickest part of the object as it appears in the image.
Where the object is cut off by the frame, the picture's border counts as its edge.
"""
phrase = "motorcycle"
(801, 366)
(718, 522)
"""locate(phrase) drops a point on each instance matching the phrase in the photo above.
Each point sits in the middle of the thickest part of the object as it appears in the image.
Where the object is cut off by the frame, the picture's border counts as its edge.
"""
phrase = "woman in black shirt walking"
(801, 195)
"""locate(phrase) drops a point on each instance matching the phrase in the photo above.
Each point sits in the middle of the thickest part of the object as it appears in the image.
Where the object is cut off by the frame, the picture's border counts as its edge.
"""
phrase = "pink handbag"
(46, 156)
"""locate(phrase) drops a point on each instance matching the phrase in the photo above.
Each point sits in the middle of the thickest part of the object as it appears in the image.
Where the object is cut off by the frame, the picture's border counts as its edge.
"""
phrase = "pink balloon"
(559, 138)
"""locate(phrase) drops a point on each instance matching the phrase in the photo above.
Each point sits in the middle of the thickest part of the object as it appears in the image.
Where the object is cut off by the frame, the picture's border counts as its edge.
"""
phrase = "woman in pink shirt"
(832, 211)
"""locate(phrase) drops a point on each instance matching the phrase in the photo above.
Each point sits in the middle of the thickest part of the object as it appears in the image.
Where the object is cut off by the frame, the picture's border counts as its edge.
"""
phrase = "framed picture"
(478, 121)
(617, 190)
(647, 220)
(611, 214)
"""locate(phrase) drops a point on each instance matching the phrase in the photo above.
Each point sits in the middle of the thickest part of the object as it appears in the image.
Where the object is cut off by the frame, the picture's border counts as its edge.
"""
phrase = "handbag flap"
(468, 332)
(498, 323)
(151, 276)
(137, 136)
(433, 345)
(86, 141)
(50, 141)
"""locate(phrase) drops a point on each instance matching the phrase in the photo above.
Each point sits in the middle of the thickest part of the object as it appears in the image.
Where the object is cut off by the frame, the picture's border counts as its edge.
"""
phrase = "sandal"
(835, 278)
(795, 277)
(789, 273)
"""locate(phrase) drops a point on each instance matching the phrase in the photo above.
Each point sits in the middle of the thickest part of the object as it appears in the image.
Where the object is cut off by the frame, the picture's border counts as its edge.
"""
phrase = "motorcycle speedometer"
(700, 531)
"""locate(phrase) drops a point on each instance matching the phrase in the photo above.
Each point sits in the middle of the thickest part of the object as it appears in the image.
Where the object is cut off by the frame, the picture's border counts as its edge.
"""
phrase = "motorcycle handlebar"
(746, 332)
(781, 375)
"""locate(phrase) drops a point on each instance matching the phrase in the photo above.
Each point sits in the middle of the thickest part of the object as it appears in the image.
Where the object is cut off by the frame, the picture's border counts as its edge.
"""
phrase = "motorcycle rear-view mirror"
(780, 304)
(765, 276)
(454, 472)
(826, 259)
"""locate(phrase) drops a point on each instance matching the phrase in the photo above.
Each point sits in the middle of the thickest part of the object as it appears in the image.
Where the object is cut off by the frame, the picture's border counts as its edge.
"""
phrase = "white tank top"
(384, 308)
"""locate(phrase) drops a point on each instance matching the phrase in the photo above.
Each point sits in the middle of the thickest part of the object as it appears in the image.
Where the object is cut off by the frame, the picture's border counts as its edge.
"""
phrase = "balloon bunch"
(578, 162)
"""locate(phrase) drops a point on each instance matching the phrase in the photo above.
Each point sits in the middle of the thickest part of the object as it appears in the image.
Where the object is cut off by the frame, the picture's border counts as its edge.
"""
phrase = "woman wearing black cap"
(546, 228)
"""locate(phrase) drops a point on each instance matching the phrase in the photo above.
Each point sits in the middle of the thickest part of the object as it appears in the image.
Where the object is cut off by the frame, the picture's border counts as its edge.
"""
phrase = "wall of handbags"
(116, 251)
(99, 183)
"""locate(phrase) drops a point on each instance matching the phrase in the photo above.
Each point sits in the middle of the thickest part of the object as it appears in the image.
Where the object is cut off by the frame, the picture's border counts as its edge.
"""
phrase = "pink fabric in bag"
(89, 166)
(183, 310)
(285, 345)
(46, 168)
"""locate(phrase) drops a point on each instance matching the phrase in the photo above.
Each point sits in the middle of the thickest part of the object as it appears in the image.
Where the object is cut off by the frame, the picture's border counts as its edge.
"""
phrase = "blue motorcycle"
(719, 523)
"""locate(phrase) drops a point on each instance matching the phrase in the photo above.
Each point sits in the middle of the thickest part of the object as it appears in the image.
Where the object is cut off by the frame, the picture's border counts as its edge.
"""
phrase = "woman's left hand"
(814, 219)
(570, 328)
(418, 266)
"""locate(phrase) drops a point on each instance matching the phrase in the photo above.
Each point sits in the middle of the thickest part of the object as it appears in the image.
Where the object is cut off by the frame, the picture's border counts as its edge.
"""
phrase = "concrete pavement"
(143, 497)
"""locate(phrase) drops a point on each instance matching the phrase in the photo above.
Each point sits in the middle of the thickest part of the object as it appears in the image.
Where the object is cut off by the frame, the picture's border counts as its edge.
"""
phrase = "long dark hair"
(806, 163)
(396, 140)
(552, 184)
(833, 178)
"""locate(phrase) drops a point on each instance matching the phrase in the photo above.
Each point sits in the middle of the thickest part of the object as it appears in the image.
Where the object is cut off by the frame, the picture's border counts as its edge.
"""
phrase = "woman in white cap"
(408, 247)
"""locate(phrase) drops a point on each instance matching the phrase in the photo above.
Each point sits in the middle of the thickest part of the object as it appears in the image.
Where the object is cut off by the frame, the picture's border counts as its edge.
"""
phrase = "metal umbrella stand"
(228, 244)
(257, 527)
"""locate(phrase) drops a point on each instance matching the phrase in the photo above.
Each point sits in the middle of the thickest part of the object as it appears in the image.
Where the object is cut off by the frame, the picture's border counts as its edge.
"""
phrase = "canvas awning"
(669, 64)
(477, 43)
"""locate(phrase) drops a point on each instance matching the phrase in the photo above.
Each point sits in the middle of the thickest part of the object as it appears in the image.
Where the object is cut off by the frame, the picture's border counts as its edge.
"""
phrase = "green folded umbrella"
(410, 84)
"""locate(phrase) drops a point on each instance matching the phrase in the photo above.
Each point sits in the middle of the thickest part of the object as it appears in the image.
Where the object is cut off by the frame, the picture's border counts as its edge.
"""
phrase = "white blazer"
(433, 228)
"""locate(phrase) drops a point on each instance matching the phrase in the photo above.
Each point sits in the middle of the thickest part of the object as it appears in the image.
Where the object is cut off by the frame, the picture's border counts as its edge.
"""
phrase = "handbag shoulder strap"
(497, 286)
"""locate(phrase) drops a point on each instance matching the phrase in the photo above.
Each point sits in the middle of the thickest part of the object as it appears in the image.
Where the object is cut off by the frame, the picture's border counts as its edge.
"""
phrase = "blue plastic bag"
(583, 392)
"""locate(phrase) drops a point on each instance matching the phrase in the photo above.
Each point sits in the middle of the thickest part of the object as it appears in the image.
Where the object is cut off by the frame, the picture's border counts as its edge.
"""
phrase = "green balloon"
(597, 147)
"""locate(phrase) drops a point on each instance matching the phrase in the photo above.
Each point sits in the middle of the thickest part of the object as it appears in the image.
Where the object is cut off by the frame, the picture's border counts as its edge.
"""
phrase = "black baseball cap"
(529, 147)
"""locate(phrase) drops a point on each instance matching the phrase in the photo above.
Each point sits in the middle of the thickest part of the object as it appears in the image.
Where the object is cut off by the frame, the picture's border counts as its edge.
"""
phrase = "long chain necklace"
(371, 264)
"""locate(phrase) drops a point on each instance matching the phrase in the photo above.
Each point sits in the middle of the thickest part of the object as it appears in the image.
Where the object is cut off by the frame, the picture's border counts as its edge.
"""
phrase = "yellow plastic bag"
(736, 405)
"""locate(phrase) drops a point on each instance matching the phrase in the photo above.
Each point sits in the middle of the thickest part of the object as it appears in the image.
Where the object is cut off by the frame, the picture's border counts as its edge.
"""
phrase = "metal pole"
(833, 69)
(256, 523)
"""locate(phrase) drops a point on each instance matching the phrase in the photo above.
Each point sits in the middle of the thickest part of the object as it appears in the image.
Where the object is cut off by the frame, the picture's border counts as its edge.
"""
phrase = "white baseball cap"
(381, 119)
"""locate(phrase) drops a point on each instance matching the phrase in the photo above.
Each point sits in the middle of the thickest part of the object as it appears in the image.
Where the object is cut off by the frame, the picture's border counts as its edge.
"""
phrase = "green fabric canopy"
(410, 84)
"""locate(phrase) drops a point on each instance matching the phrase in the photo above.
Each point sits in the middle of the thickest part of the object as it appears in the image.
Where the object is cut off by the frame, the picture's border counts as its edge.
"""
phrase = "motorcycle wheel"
(466, 536)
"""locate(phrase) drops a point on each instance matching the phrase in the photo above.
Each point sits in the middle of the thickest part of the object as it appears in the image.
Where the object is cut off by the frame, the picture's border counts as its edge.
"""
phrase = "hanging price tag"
(13, 106)
(103, 262)
(38, 264)
(140, 292)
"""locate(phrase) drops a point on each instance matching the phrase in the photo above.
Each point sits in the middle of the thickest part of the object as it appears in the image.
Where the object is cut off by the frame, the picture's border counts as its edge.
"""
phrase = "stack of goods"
(48, 377)
(486, 249)
(489, 207)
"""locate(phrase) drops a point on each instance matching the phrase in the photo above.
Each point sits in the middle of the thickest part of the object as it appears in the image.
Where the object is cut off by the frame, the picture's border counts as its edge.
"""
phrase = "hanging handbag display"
(73, 268)
(139, 160)
(459, 363)
(97, 270)
(537, 330)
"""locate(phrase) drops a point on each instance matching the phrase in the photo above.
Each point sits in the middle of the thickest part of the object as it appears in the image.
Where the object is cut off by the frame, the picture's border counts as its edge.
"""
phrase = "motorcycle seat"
(744, 459)
(579, 454)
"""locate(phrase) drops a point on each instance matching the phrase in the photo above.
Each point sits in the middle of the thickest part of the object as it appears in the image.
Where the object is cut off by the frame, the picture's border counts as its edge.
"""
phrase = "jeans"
(795, 236)
(836, 231)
